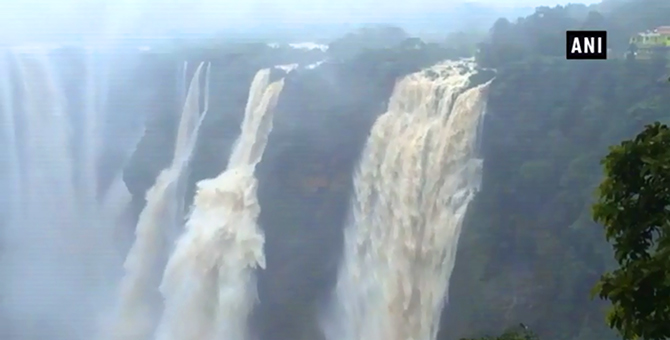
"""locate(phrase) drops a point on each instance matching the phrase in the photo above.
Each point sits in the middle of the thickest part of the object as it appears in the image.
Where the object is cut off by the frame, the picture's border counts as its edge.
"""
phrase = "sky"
(23, 19)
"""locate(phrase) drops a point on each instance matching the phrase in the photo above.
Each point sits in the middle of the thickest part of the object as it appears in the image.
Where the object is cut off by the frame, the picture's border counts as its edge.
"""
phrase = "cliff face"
(323, 117)
(320, 128)
(529, 251)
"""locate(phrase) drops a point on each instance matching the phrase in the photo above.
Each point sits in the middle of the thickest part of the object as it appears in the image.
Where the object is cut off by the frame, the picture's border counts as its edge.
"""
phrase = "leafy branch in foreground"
(634, 207)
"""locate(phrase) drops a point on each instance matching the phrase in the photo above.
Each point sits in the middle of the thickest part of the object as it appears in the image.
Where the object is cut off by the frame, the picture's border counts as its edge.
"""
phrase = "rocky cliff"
(323, 117)
(529, 252)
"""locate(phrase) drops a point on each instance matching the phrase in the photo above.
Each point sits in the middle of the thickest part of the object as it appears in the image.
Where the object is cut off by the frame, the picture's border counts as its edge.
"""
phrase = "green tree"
(634, 207)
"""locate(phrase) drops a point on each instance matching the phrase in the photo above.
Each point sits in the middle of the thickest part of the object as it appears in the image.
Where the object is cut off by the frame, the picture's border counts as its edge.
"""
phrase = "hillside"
(530, 244)
(324, 116)
(529, 251)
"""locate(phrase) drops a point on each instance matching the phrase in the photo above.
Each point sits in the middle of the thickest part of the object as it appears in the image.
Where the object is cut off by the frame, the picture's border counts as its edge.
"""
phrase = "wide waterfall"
(60, 268)
(416, 177)
(58, 264)
(62, 277)
(139, 304)
(209, 283)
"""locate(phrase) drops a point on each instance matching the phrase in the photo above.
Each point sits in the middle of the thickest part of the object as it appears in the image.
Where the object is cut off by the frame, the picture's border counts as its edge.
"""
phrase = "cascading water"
(181, 82)
(92, 127)
(418, 173)
(57, 262)
(139, 305)
(9, 166)
(416, 177)
(56, 259)
(209, 283)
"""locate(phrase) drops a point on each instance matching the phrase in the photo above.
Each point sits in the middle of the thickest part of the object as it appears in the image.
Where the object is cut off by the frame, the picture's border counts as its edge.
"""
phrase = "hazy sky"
(25, 18)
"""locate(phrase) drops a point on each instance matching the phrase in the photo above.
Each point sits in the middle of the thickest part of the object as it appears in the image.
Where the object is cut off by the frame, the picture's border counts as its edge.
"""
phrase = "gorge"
(356, 146)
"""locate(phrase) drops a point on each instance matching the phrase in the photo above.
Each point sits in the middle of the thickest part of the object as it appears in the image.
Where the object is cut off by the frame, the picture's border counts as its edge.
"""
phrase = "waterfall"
(196, 279)
(57, 260)
(139, 306)
(10, 163)
(209, 282)
(416, 177)
(93, 126)
(59, 269)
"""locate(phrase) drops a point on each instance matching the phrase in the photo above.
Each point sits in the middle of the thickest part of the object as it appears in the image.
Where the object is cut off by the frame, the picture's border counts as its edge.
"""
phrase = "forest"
(531, 244)
(568, 237)
(532, 260)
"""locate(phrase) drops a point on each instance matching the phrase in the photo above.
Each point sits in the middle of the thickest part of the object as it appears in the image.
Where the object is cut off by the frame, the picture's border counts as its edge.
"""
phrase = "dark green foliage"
(530, 250)
(466, 41)
(634, 207)
(523, 334)
(371, 37)
(529, 245)
(543, 33)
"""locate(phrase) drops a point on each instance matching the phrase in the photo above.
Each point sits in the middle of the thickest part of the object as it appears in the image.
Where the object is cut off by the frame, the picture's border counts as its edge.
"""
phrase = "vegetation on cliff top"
(542, 34)
(530, 250)
(530, 245)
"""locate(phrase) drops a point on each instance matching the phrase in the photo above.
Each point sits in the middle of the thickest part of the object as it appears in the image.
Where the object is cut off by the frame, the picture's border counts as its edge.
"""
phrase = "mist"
(85, 127)
(108, 20)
